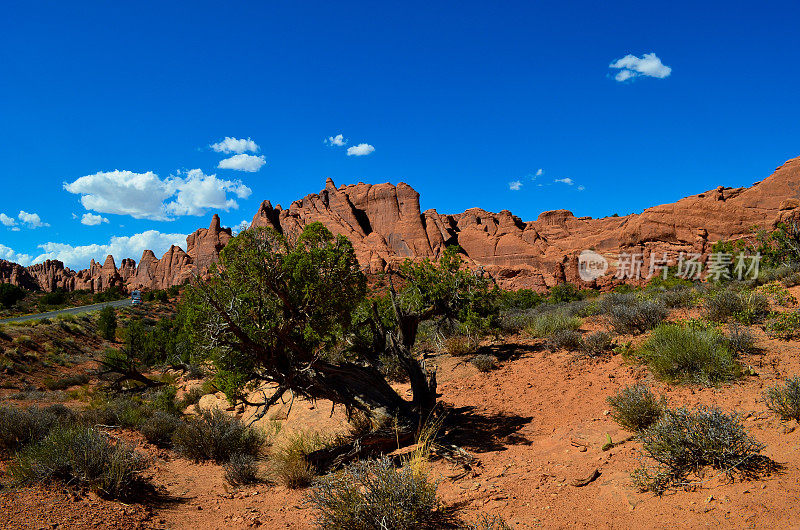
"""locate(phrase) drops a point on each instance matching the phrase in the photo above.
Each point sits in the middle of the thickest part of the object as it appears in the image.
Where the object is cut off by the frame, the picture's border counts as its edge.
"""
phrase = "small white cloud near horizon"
(539, 172)
(121, 247)
(90, 219)
(360, 150)
(515, 185)
(31, 220)
(145, 195)
(338, 140)
(566, 180)
(9, 254)
(235, 145)
(581, 187)
(249, 163)
(648, 65)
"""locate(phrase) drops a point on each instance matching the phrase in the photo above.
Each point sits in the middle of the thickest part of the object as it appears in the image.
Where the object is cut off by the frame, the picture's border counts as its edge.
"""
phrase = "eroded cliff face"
(386, 226)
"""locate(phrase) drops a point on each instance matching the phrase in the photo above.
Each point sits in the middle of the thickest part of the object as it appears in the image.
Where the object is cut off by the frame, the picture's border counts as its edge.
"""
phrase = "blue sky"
(458, 99)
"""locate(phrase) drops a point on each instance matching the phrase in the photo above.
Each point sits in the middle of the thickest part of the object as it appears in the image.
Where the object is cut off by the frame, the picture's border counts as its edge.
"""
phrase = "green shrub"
(484, 363)
(159, 428)
(79, 456)
(565, 292)
(679, 296)
(597, 343)
(20, 427)
(783, 325)
(107, 323)
(784, 400)
(684, 441)
(630, 315)
(686, 354)
(520, 300)
(635, 407)
(747, 307)
(548, 322)
(10, 294)
(214, 435)
(373, 495)
(241, 470)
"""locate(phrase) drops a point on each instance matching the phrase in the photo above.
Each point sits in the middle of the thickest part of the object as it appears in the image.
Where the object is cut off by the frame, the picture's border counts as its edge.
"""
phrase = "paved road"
(68, 311)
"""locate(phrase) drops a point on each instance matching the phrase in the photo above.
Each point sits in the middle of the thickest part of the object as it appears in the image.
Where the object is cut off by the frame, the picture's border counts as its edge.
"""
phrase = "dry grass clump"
(597, 343)
(375, 494)
(635, 408)
(20, 427)
(288, 463)
(741, 340)
(567, 339)
(784, 400)
(458, 345)
(241, 470)
(484, 363)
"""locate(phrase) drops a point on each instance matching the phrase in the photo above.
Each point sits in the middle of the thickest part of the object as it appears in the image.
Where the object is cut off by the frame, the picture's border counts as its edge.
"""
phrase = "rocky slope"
(386, 226)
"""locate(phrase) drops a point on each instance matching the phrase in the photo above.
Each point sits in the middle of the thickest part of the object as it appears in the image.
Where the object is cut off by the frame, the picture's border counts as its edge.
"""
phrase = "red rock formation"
(386, 226)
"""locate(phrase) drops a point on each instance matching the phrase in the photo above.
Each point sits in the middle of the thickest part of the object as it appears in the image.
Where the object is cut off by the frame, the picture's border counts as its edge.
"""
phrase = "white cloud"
(90, 219)
(250, 163)
(9, 254)
(648, 65)
(235, 145)
(199, 192)
(566, 180)
(539, 172)
(515, 185)
(243, 225)
(144, 195)
(339, 140)
(581, 187)
(140, 195)
(6, 220)
(78, 257)
(360, 150)
(31, 220)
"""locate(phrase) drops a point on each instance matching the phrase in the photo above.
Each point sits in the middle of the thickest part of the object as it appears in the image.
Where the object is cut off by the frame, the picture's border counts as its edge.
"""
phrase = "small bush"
(485, 522)
(684, 441)
(288, 463)
(107, 323)
(568, 339)
(629, 315)
(635, 407)
(741, 340)
(373, 494)
(723, 305)
(159, 428)
(241, 470)
(677, 297)
(484, 363)
(784, 400)
(783, 326)
(66, 382)
(79, 456)
(20, 427)
(458, 345)
(549, 322)
(565, 292)
(597, 343)
(214, 435)
(687, 354)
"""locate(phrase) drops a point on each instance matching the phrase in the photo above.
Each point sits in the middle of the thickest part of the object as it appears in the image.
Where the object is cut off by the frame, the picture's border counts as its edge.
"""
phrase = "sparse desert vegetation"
(148, 391)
